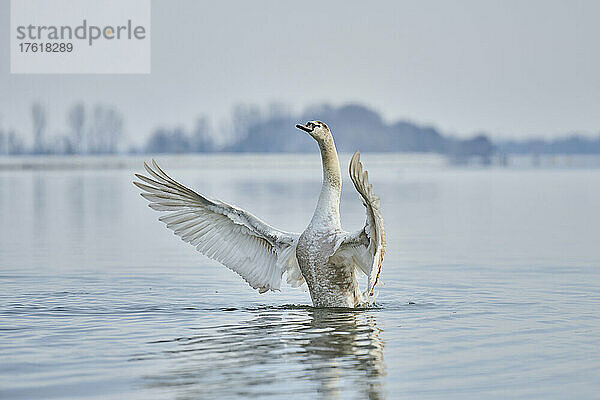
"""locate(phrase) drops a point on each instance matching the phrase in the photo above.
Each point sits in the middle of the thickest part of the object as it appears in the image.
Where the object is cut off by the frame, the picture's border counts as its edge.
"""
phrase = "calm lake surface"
(492, 287)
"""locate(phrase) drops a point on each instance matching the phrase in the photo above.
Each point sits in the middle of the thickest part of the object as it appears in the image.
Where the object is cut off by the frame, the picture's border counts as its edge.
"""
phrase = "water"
(492, 288)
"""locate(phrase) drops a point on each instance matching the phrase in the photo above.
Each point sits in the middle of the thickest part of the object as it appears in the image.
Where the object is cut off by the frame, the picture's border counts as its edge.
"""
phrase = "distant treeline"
(99, 131)
(354, 127)
(250, 129)
(574, 144)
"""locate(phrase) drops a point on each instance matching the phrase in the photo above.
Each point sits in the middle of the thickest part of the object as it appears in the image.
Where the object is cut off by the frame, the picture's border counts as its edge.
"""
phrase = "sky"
(512, 69)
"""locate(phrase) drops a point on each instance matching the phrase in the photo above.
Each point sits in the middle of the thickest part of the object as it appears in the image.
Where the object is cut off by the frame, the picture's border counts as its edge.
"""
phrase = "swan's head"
(317, 129)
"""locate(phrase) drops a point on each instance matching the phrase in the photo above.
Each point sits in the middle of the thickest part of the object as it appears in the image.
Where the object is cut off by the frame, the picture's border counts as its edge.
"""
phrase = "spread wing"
(237, 239)
(366, 246)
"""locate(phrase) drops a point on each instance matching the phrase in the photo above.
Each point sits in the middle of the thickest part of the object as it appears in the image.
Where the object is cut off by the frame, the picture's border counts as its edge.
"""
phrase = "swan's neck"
(328, 207)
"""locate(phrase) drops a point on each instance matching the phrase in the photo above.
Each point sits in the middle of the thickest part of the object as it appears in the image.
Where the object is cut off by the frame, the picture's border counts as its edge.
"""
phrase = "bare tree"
(15, 144)
(243, 116)
(106, 131)
(76, 119)
(38, 114)
(202, 140)
(114, 129)
(94, 142)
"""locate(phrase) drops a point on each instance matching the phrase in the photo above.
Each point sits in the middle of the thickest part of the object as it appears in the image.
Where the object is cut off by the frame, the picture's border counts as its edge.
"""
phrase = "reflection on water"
(338, 354)
(39, 210)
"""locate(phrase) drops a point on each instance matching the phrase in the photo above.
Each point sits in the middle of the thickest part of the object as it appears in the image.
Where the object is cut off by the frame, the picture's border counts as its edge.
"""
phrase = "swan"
(324, 257)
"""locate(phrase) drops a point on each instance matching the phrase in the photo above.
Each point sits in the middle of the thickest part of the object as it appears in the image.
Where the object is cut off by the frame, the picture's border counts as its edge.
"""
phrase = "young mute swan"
(324, 256)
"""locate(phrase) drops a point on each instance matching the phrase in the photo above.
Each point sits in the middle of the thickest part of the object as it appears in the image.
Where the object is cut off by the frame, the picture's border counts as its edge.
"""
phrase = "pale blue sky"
(509, 68)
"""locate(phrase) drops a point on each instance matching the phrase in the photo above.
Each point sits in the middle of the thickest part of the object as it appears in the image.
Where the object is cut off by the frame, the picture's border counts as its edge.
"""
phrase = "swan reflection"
(277, 351)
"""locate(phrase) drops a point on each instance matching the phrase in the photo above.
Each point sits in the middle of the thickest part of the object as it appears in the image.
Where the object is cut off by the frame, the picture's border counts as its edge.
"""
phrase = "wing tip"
(355, 166)
(355, 157)
(138, 184)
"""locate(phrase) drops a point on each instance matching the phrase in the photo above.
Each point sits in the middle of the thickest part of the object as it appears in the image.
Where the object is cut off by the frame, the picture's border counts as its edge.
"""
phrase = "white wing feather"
(367, 246)
(257, 252)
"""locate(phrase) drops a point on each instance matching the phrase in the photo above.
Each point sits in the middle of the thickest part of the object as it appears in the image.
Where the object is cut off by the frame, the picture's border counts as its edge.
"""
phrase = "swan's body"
(324, 256)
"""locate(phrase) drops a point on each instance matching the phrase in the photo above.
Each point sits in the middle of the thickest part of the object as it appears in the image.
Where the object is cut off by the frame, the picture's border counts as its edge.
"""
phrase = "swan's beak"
(304, 128)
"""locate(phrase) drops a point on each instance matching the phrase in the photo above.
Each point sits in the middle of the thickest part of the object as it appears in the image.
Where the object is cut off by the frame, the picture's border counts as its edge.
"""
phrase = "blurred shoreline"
(206, 160)
(288, 160)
